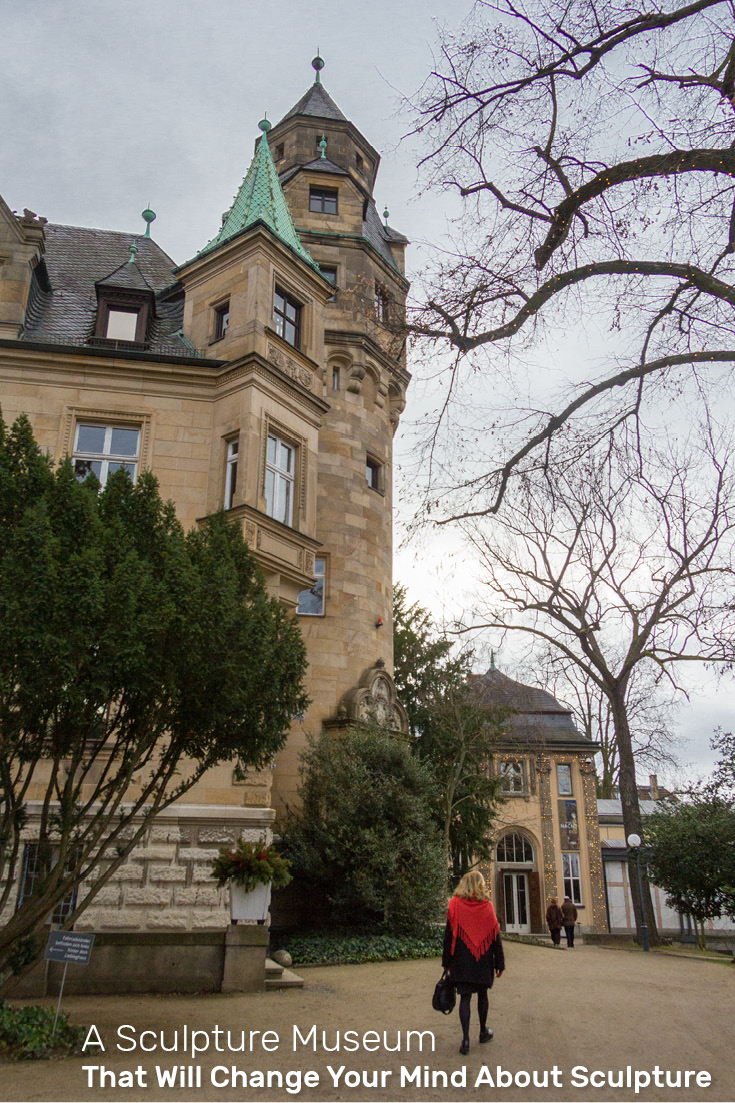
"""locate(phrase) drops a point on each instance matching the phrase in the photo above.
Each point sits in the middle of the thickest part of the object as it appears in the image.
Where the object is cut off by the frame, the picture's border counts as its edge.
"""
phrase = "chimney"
(653, 785)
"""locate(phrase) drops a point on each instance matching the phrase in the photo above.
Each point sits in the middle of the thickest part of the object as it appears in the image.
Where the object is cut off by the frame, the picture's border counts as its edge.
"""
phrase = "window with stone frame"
(564, 779)
(330, 274)
(373, 473)
(280, 467)
(221, 320)
(104, 448)
(512, 778)
(572, 878)
(323, 200)
(287, 317)
(514, 849)
(36, 865)
(382, 305)
(231, 462)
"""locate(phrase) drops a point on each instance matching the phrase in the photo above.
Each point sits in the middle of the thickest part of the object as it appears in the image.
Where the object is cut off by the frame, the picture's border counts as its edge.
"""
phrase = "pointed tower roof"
(261, 199)
(316, 101)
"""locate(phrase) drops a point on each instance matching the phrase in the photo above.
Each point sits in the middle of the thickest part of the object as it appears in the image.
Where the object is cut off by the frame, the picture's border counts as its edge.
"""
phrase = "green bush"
(25, 1033)
(353, 948)
(364, 848)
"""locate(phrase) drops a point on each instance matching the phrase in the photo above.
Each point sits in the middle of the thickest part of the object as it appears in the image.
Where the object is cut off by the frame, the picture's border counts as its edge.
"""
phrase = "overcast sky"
(108, 107)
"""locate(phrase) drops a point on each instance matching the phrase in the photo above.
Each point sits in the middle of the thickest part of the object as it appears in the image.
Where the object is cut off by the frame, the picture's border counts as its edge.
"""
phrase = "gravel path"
(591, 1007)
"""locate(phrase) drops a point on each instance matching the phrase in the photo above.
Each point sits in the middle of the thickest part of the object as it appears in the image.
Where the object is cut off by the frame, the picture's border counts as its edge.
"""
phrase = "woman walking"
(473, 952)
(555, 920)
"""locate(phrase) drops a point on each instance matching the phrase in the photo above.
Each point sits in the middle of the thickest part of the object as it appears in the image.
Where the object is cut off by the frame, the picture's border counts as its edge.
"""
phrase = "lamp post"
(634, 845)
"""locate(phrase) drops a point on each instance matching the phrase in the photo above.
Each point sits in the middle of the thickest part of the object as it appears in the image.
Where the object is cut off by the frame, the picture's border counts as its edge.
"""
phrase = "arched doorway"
(517, 882)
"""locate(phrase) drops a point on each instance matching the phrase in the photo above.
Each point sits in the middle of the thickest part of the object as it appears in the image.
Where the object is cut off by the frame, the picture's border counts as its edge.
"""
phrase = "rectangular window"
(359, 163)
(279, 479)
(221, 320)
(331, 275)
(564, 779)
(34, 868)
(572, 880)
(103, 449)
(122, 325)
(323, 200)
(335, 379)
(311, 602)
(279, 151)
(511, 777)
(233, 448)
(287, 318)
(382, 305)
(372, 474)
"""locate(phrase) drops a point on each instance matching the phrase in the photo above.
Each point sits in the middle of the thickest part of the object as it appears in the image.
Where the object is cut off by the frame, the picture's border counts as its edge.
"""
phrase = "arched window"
(514, 848)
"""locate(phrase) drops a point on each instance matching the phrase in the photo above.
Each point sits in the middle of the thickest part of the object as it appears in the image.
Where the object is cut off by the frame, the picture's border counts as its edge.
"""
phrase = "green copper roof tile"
(261, 199)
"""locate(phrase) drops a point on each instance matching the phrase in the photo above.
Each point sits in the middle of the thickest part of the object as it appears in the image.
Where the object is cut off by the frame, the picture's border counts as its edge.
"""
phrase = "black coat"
(464, 968)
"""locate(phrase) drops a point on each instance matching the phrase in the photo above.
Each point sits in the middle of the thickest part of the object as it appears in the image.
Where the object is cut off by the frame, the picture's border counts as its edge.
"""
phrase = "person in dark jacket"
(569, 914)
(473, 952)
(555, 920)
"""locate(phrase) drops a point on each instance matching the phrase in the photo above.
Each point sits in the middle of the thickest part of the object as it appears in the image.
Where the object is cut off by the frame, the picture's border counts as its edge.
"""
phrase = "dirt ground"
(592, 1007)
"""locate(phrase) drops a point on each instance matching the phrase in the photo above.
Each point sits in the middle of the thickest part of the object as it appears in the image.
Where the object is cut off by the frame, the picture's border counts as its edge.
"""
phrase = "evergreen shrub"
(364, 849)
(25, 1033)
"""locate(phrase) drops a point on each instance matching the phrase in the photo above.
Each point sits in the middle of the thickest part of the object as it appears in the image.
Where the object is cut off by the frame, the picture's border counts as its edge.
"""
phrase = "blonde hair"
(472, 887)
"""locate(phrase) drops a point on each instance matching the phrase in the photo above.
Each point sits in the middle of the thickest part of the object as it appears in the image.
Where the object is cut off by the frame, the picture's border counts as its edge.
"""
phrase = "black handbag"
(445, 995)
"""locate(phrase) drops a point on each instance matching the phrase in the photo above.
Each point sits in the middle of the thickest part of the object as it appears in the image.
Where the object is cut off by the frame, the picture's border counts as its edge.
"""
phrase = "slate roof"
(260, 198)
(378, 234)
(76, 259)
(538, 717)
(316, 101)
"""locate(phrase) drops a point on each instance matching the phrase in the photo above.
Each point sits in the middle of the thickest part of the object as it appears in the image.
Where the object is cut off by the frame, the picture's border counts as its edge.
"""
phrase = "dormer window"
(122, 325)
(122, 316)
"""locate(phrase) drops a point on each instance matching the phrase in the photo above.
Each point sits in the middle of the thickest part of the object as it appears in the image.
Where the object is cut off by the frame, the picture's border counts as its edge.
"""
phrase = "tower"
(328, 170)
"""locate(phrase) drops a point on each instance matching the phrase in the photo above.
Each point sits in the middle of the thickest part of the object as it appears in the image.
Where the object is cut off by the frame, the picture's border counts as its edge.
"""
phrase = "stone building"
(547, 836)
(265, 375)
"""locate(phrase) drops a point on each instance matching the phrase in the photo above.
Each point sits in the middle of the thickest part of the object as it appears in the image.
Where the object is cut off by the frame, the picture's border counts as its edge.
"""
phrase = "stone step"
(278, 977)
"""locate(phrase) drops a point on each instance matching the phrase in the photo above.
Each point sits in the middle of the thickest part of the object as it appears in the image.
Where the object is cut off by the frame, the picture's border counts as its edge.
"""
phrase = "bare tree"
(594, 150)
(651, 703)
(618, 572)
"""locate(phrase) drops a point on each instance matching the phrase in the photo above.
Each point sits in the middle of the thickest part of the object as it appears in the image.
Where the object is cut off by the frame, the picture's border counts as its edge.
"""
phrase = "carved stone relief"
(290, 367)
(373, 699)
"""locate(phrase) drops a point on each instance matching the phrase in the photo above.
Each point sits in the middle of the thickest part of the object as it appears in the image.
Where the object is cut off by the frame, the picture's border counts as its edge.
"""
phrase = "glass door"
(515, 892)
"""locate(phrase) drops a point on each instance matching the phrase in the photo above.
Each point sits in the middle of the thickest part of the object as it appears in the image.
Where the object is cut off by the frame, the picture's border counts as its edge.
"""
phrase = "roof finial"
(133, 251)
(323, 146)
(492, 660)
(386, 215)
(264, 125)
(148, 216)
(318, 64)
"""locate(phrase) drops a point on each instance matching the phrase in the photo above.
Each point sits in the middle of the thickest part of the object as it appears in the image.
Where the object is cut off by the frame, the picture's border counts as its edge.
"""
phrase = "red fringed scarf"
(475, 922)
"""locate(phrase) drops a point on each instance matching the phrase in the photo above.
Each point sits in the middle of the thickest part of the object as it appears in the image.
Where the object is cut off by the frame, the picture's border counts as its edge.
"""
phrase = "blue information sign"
(69, 946)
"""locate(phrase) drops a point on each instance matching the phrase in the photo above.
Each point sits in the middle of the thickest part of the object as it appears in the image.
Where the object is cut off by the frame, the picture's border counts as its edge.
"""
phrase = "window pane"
(129, 467)
(285, 457)
(124, 442)
(82, 468)
(90, 438)
(311, 602)
(122, 324)
(271, 452)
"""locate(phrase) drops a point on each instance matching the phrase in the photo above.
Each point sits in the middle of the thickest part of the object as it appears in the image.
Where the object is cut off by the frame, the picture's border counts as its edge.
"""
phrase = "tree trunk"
(632, 821)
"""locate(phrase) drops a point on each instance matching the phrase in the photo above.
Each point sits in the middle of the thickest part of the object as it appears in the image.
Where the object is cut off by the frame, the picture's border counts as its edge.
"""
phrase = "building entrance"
(515, 895)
